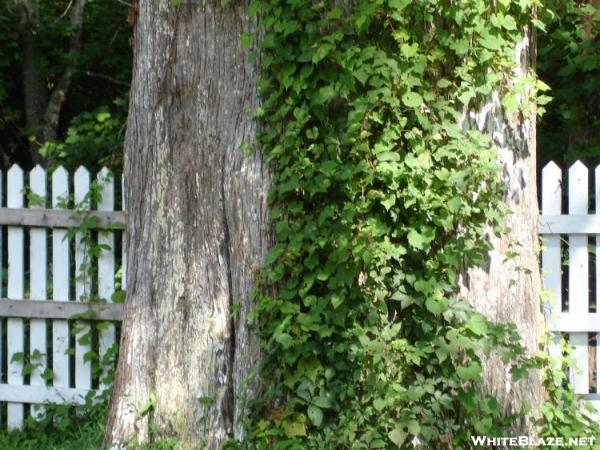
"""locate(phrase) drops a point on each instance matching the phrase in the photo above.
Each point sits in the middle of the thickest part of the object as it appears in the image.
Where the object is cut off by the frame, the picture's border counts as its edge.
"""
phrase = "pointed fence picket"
(106, 264)
(83, 368)
(566, 257)
(60, 282)
(38, 284)
(45, 362)
(14, 327)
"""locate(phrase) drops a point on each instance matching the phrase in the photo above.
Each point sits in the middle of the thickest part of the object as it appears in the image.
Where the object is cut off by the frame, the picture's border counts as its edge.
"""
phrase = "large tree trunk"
(197, 226)
(507, 289)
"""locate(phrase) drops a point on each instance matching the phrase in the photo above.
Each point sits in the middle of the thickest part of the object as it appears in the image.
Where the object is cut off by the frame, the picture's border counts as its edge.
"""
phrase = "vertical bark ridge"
(227, 246)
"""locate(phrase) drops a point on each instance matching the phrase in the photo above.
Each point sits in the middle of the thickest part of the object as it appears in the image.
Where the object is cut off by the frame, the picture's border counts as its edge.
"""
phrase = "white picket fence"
(31, 322)
(570, 269)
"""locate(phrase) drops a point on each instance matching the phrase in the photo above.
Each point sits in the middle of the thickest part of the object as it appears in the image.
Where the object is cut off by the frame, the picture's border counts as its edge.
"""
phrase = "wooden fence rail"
(49, 327)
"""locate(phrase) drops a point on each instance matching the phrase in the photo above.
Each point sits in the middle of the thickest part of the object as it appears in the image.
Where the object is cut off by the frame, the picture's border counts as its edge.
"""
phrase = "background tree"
(63, 62)
(197, 227)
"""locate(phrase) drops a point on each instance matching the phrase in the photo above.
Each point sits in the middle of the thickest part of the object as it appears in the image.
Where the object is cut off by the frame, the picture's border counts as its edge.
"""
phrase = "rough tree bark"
(197, 226)
(508, 289)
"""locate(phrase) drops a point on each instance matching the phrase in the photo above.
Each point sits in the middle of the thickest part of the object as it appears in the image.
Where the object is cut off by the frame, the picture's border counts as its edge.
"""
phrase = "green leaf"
(324, 94)
(273, 254)
(491, 42)
(460, 46)
(417, 240)
(148, 406)
(247, 39)
(436, 306)
(398, 435)
(322, 402)
(294, 428)
(315, 415)
(443, 83)
(361, 74)
(336, 300)
(388, 156)
(321, 52)
(472, 372)
(284, 339)
(379, 404)
(118, 296)
(389, 202)
(409, 50)
(510, 102)
(478, 324)
(412, 99)
(398, 5)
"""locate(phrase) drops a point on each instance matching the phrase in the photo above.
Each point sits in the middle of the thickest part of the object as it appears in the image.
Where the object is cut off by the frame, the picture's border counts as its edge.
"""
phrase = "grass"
(68, 428)
(63, 432)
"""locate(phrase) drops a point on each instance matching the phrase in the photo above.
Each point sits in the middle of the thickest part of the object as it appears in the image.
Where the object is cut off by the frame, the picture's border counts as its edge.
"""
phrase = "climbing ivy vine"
(380, 198)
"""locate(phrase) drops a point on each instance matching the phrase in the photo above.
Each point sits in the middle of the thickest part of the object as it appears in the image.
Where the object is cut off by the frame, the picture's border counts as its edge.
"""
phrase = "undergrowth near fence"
(366, 343)
(564, 413)
(83, 431)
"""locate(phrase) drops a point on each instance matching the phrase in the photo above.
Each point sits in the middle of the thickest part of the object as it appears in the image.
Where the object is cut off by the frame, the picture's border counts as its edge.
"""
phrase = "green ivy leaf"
(478, 324)
(412, 99)
(379, 404)
(315, 415)
(472, 372)
(398, 435)
(436, 306)
(388, 202)
(294, 428)
(491, 42)
(321, 52)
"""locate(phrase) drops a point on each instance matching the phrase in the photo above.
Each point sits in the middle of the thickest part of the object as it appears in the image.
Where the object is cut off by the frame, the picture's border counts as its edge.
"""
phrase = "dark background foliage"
(92, 117)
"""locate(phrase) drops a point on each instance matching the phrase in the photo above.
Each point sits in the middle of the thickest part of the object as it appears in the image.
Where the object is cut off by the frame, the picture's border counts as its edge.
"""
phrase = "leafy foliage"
(569, 62)
(380, 199)
(93, 139)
